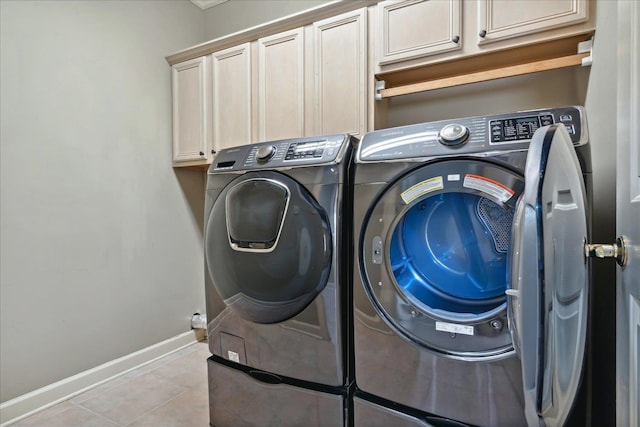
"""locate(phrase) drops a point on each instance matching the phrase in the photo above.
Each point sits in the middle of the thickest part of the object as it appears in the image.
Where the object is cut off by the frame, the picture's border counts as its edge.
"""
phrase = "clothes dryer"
(277, 281)
(471, 286)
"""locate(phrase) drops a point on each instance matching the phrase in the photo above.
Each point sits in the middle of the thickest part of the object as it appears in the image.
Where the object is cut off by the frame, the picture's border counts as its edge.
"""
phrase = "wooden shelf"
(484, 67)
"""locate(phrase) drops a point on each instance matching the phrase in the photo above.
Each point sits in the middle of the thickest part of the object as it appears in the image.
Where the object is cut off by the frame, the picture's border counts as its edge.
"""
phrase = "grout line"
(156, 407)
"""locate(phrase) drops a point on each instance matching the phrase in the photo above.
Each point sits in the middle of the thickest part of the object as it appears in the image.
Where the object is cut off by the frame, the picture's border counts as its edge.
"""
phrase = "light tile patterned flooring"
(170, 392)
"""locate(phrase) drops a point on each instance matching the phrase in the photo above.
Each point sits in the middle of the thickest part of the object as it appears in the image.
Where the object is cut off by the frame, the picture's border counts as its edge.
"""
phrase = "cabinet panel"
(191, 124)
(232, 97)
(499, 19)
(281, 85)
(340, 74)
(416, 28)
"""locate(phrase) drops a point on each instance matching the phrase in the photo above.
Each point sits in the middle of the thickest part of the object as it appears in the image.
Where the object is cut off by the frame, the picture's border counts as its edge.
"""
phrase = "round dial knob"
(265, 153)
(453, 134)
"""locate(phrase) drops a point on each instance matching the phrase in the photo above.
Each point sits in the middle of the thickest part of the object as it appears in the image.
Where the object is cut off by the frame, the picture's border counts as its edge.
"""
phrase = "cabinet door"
(281, 85)
(191, 105)
(416, 28)
(340, 51)
(232, 97)
(499, 19)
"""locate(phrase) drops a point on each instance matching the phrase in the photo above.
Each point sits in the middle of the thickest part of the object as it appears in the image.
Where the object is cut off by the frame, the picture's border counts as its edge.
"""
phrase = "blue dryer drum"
(448, 254)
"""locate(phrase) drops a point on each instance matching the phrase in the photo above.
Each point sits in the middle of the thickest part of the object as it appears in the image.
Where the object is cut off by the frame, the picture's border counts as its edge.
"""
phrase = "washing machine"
(278, 282)
(471, 287)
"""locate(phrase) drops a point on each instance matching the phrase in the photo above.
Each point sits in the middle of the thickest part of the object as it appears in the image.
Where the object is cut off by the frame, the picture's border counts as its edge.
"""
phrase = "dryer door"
(548, 295)
(268, 246)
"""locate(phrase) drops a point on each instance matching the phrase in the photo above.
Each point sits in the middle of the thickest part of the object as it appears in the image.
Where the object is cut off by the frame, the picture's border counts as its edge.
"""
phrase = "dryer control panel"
(501, 132)
(285, 153)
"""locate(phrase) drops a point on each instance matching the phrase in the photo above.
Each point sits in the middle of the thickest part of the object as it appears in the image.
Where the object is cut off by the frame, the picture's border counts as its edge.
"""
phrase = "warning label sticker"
(486, 185)
(422, 188)
(454, 328)
(233, 356)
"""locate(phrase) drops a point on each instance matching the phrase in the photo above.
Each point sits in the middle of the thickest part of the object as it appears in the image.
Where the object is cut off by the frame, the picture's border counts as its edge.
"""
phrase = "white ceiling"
(206, 4)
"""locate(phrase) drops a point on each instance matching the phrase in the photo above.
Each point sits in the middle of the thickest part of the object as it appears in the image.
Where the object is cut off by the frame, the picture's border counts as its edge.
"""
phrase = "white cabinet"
(339, 101)
(232, 96)
(191, 84)
(501, 20)
(281, 97)
(417, 28)
(305, 81)
(312, 80)
(413, 33)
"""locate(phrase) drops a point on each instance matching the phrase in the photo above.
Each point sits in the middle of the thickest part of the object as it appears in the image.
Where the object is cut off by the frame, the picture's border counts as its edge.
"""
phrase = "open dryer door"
(549, 280)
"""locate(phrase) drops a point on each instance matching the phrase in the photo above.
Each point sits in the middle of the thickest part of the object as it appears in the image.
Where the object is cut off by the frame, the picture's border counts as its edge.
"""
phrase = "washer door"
(434, 251)
(548, 301)
(268, 247)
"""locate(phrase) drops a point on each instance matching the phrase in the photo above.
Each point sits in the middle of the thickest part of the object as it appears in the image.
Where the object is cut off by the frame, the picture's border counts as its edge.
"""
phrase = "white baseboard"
(23, 406)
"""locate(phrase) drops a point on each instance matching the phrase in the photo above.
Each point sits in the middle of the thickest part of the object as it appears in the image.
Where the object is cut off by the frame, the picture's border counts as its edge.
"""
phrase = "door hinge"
(617, 250)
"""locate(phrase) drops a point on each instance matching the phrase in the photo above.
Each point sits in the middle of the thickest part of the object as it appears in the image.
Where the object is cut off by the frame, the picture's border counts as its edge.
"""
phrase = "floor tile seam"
(182, 390)
(127, 377)
(173, 379)
(84, 408)
(159, 376)
(108, 386)
(170, 358)
(155, 408)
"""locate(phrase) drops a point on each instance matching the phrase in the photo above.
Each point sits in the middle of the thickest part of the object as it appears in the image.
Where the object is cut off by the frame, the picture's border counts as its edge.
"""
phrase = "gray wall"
(101, 244)
(236, 15)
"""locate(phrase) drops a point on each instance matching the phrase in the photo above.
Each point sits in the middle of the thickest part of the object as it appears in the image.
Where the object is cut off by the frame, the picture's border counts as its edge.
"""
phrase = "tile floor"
(170, 392)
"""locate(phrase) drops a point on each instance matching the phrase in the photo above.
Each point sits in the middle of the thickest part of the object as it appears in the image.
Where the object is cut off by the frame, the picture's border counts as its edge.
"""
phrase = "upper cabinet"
(305, 81)
(319, 72)
(339, 92)
(413, 33)
(312, 80)
(191, 83)
(232, 96)
(417, 28)
(501, 20)
(281, 96)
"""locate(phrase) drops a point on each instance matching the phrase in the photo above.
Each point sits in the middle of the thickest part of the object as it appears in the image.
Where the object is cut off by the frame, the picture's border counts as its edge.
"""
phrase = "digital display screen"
(520, 128)
(304, 150)
(516, 129)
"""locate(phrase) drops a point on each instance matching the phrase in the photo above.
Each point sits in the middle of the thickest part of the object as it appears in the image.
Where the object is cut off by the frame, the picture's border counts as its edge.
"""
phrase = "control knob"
(265, 153)
(453, 134)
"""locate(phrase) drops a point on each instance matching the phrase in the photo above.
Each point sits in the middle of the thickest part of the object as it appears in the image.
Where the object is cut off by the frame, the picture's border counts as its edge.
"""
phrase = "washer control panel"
(284, 153)
(469, 135)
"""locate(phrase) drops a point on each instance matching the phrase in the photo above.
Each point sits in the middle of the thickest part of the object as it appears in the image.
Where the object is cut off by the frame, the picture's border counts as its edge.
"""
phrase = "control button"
(566, 118)
(265, 153)
(546, 120)
(453, 134)
(570, 129)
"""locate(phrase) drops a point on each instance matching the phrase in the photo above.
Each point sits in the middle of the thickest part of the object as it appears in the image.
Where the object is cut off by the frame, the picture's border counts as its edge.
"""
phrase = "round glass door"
(268, 247)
